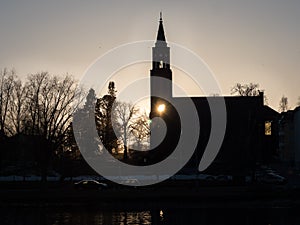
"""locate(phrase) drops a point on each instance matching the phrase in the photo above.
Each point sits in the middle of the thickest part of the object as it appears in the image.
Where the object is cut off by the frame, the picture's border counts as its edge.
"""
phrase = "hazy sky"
(242, 41)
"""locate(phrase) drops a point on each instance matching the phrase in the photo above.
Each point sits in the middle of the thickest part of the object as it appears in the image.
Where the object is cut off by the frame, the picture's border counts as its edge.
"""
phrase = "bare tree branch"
(250, 89)
(283, 104)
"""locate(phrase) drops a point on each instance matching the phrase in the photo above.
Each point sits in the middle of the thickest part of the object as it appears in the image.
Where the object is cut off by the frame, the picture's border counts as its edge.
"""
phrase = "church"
(245, 142)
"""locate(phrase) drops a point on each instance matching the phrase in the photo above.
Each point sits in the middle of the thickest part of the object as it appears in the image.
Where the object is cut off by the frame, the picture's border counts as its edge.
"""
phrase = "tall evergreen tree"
(105, 117)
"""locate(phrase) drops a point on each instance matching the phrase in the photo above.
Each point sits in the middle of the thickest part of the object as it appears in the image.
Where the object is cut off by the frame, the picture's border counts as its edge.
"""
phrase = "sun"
(161, 108)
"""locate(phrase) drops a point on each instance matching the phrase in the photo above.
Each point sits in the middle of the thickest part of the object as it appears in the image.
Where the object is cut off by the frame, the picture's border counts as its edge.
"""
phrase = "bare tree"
(283, 104)
(125, 113)
(7, 84)
(245, 90)
(55, 99)
(6, 89)
(250, 89)
(17, 108)
(41, 110)
(140, 129)
(50, 104)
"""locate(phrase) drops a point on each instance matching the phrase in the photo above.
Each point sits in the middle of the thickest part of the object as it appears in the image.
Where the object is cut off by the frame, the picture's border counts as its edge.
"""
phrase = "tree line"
(36, 116)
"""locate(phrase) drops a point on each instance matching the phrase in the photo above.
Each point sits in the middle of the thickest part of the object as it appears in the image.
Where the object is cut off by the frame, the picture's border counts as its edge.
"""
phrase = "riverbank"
(201, 197)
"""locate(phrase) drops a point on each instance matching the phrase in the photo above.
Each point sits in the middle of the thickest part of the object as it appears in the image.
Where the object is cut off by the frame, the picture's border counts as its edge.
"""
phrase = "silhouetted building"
(270, 145)
(289, 133)
(245, 143)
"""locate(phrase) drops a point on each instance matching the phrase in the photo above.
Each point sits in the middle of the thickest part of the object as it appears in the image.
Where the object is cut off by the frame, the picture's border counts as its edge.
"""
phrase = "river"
(85, 215)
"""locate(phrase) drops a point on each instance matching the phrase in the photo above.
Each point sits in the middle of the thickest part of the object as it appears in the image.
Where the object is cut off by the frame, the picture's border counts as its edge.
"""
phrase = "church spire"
(161, 32)
(161, 51)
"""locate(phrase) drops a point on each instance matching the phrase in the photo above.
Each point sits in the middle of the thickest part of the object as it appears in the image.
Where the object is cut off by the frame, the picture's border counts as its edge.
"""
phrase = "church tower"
(162, 143)
(161, 88)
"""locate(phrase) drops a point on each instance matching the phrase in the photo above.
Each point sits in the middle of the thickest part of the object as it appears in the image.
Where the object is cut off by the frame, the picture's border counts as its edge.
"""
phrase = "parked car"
(90, 184)
(224, 178)
(131, 182)
(206, 177)
(271, 178)
(219, 178)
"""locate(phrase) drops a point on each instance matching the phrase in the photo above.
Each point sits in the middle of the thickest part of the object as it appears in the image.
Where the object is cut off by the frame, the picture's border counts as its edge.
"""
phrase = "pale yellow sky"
(241, 41)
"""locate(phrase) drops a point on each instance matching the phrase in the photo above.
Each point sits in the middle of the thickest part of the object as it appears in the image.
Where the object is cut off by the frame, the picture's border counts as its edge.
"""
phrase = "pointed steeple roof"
(161, 32)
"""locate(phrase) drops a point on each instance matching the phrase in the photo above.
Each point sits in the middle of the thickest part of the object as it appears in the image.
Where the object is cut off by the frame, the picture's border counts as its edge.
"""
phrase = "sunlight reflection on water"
(100, 218)
(92, 216)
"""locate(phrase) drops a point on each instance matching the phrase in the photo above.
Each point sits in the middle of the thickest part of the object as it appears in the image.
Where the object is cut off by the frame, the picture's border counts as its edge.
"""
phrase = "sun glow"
(161, 108)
